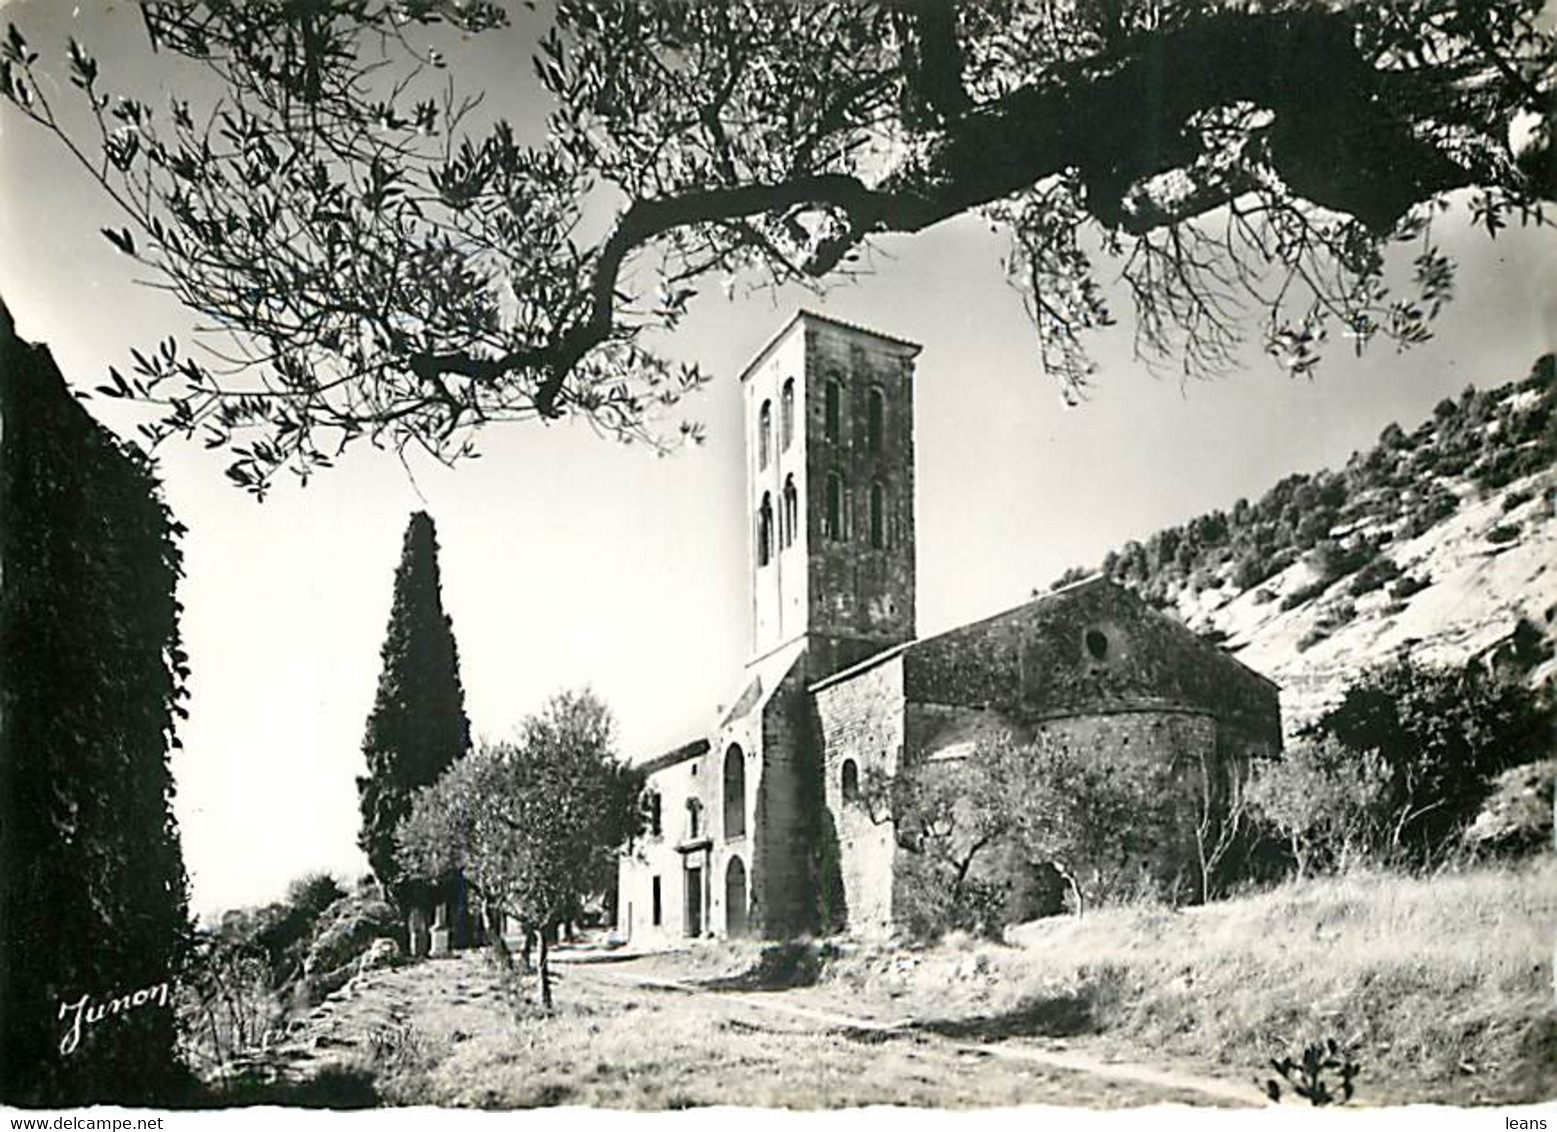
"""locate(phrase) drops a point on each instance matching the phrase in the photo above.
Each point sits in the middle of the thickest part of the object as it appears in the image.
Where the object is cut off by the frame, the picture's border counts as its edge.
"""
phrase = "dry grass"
(1443, 986)
(648, 1051)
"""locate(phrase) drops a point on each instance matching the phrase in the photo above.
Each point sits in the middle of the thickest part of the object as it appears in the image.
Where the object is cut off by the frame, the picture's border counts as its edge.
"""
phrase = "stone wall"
(861, 720)
(1092, 649)
(861, 597)
(1093, 669)
(787, 812)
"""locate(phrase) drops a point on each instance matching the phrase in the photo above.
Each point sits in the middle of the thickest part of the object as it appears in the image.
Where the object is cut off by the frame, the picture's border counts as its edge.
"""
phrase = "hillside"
(1440, 541)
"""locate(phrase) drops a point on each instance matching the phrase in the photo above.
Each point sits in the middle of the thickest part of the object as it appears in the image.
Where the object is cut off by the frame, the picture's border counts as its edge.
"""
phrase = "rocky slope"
(1440, 543)
(1491, 593)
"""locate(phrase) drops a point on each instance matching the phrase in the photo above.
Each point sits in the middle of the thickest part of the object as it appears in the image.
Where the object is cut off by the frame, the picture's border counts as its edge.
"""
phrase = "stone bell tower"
(829, 411)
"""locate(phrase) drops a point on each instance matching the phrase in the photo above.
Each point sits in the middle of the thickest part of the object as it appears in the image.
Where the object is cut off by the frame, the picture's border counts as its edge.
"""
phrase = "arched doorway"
(735, 897)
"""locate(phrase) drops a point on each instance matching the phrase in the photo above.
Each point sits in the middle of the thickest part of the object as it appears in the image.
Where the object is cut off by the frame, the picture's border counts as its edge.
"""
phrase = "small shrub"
(1333, 560)
(1516, 818)
(1304, 594)
(1372, 576)
(1312, 1074)
(1339, 613)
(310, 894)
(398, 1059)
(1283, 558)
(1252, 569)
(1500, 469)
(1515, 499)
(1408, 585)
(1311, 638)
(1503, 532)
(1070, 577)
(1433, 509)
(1442, 735)
(1319, 800)
(348, 928)
(225, 1006)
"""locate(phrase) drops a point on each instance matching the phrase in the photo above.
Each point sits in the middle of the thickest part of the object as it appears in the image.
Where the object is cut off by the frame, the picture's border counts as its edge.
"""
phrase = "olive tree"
(534, 825)
(388, 258)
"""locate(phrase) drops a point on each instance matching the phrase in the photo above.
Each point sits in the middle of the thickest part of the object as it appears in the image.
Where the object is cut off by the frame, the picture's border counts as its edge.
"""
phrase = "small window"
(694, 819)
(850, 781)
(658, 903)
(878, 516)
(1097, 644)
(764, 433)
(652, 810)
(765, 530)
(787, 414)
(875, 420)
(833, 405)
(837, 512)
(789, 514)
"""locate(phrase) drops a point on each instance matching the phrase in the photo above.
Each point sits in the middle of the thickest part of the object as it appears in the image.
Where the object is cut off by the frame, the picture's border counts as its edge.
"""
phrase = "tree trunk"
(545, 972)
(1070, 878)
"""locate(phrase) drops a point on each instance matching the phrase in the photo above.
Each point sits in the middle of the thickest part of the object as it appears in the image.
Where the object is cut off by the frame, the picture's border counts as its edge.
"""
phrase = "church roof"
(812, 316)
(763, 678)
(670, 758)
(898, 650)
(986, 661)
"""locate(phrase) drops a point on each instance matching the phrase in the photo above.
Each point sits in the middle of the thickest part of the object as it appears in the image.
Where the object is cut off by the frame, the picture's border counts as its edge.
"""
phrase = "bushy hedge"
(92, 888)
(1398, 770)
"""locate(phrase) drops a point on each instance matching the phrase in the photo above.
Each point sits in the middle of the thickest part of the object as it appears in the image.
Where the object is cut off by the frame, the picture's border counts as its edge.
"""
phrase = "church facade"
(755, 827)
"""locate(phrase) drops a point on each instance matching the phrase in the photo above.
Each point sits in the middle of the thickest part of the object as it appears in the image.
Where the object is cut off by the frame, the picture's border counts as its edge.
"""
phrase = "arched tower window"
(836, 516)
(875, 420)
(765, 530)
(878, 515)
(734, 792)
(833, 410)
(789, 513)
(849, 781)
(787, 414)
(764, 433)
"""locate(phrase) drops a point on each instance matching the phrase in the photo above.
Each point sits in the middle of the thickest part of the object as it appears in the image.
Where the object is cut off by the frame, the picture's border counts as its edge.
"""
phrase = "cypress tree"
(417, 727)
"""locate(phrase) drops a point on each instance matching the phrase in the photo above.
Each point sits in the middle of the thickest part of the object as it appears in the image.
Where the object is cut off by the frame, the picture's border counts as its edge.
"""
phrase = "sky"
(568, 560)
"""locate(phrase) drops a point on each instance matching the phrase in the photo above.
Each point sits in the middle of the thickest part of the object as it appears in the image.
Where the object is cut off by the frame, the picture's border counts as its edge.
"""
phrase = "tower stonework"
(830, 492)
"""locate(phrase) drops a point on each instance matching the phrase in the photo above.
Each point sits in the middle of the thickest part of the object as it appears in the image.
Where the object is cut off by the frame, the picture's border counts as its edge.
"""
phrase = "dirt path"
(1174, 1085)
(627, 1035)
